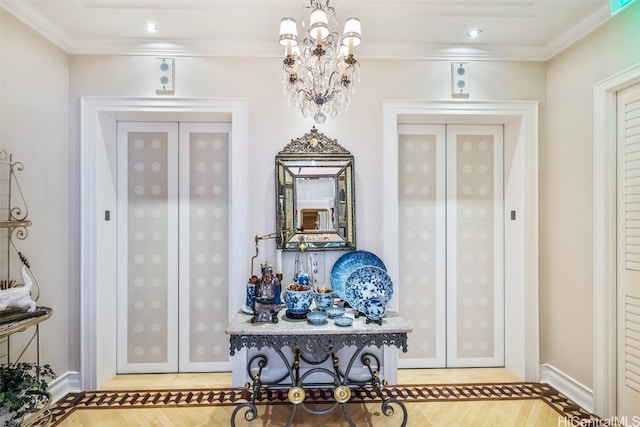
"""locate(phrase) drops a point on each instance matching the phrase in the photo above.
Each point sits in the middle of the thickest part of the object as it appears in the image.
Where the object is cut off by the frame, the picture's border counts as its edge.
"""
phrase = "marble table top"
(317, 339)
(391, 323)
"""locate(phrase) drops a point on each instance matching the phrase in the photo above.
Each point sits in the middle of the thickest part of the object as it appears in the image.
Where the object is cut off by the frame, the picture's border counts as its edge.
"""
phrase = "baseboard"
(566, 385)
(65, 384)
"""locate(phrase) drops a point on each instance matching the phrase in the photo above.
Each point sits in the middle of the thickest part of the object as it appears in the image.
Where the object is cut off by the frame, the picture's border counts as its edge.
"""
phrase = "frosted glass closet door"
(475, 246)
(451, 240)
(173, 247)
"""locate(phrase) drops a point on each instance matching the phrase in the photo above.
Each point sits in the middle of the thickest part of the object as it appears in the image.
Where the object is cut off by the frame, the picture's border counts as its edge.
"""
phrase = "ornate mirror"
(315, 195)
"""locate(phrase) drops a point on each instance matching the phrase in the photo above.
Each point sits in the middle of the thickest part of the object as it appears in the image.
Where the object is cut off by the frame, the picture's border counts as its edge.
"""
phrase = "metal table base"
(309, 351)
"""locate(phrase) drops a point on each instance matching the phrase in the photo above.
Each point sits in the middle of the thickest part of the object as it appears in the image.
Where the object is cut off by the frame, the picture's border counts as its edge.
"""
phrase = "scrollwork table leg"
(387, 402)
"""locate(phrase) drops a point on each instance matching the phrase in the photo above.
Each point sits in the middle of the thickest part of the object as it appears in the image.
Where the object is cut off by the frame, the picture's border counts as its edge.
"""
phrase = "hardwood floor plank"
(456, 376)
(168, 381)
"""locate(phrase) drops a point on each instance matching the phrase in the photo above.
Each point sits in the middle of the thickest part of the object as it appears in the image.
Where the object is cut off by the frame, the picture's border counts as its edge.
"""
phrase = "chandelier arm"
(307, 95)
(331, 87)
(351, 64)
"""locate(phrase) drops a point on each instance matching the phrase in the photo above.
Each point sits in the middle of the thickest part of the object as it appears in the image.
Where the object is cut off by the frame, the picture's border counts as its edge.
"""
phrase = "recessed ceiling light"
(151, 27)
(474, 34)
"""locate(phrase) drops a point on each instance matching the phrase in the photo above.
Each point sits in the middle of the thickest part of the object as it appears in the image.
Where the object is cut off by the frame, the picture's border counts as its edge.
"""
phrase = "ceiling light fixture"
(151, 27)
(474, 33)
(320, 72)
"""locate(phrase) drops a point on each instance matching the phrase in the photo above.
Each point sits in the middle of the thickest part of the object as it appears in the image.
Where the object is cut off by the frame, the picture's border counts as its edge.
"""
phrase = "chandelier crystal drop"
(320, 71)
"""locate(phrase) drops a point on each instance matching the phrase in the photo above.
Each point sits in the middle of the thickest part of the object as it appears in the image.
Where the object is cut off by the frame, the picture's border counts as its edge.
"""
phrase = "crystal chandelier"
(320, 72)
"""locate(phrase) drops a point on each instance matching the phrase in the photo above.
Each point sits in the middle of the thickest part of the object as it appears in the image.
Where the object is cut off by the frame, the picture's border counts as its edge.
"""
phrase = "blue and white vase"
(298, 302)
(302, 278)
(324, 300)
(251, 296)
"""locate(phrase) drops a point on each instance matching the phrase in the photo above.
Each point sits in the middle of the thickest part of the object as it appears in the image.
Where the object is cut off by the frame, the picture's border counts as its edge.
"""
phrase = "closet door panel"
(475, 251)
(147, 243)
(204, 246)
(422, 236)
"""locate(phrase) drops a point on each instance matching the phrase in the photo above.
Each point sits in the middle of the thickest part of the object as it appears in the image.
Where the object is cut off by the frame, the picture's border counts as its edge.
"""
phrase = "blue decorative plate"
(346, 264)
(373, 308)
(366, 283)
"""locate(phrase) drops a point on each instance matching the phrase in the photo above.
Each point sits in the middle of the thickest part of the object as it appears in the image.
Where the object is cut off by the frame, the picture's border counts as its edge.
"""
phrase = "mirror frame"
(316, 150)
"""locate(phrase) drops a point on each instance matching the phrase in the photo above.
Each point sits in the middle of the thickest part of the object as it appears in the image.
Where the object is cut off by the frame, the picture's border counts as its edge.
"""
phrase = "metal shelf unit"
(14, 227)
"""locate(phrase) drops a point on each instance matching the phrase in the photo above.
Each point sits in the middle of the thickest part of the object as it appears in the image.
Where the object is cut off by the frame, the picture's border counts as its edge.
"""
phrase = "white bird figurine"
(18, 296)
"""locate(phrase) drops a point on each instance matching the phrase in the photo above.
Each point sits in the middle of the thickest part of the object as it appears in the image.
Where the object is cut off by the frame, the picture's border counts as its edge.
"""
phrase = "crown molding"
(23, 11)
(580, 30)
(26, 13)
(172, 48)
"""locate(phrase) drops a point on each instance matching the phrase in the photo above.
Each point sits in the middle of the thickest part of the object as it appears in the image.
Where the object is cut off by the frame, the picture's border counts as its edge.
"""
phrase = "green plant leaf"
(16, 380)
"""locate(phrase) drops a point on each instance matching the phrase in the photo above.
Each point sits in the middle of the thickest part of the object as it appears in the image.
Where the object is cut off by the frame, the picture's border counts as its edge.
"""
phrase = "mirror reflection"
(315, 194)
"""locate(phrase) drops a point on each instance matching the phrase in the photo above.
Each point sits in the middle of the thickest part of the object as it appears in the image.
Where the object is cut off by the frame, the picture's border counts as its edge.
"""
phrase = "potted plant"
(23, 390)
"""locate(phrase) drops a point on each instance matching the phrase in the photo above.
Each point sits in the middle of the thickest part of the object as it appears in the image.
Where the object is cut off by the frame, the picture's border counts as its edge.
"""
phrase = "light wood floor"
(405, 376)
(515, 413)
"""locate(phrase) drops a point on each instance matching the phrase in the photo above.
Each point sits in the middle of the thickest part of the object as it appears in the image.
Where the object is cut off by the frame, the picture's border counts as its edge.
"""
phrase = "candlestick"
(279, 261)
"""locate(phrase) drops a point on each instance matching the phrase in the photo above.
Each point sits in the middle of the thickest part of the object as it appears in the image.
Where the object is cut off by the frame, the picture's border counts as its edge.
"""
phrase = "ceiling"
(391, 29)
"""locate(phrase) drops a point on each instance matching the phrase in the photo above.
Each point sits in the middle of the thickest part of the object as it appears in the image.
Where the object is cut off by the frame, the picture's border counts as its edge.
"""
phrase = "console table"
(312, 345)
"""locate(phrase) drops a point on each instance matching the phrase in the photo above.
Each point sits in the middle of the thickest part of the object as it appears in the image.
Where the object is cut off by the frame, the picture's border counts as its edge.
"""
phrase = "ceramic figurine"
(267, 301)
(18, 297)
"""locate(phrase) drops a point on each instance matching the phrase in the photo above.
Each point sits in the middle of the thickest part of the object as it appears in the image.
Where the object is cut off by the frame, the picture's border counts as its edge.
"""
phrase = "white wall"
(35, 121)
(566, 188)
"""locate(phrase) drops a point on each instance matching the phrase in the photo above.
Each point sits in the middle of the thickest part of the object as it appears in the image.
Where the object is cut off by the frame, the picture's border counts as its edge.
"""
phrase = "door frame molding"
(521, 121)
(604, 239)
(98, 116)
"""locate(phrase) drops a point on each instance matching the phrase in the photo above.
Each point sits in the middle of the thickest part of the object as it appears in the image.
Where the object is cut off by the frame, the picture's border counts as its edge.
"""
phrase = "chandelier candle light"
(320, 72)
